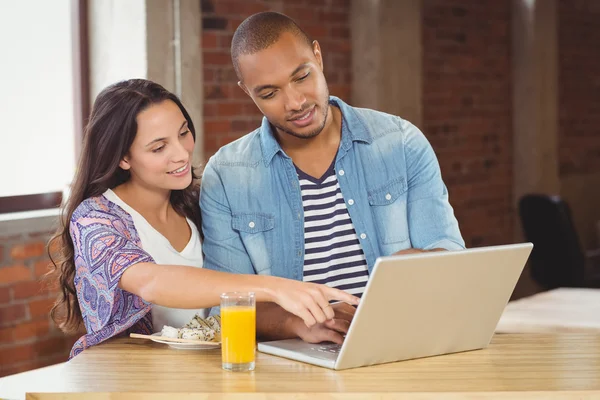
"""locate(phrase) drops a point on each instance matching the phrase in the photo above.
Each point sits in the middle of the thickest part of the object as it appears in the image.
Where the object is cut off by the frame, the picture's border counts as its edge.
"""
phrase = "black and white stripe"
(333, 254)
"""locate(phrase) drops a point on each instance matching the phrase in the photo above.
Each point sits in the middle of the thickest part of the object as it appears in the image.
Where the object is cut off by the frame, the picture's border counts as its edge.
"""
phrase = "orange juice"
(238, 334)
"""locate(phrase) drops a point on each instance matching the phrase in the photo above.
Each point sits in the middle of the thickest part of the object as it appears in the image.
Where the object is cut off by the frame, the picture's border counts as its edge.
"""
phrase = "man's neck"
(313, 156)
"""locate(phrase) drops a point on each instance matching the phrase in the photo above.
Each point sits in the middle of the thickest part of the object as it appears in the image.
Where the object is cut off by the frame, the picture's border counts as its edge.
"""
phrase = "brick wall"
(466, 114)
(467, 111)
(579, 86)
(228, 112)
(28, 337)
(466, 95)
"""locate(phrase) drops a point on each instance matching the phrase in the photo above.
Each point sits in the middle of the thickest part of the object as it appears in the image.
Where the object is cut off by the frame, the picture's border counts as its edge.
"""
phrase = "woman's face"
(160, 156)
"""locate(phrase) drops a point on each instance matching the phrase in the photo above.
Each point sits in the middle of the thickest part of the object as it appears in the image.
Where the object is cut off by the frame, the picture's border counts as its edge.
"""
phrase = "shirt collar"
(353, 130)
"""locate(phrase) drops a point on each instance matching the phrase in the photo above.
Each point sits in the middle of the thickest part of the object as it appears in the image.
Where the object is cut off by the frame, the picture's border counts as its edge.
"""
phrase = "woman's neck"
(152, 204)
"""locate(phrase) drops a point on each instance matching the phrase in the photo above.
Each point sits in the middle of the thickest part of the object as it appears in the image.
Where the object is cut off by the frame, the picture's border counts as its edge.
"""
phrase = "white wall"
(117, 34)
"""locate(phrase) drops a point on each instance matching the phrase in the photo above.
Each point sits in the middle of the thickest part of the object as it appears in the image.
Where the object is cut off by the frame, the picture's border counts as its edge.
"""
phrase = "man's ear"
(317, 52)
(244, 88)
(124, 164)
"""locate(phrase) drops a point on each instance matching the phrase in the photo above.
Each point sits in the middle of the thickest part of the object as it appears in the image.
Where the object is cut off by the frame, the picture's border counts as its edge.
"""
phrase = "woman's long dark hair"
(108, 136)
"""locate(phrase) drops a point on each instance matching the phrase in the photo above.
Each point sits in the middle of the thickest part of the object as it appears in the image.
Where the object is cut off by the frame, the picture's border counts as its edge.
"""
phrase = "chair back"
(557, 259)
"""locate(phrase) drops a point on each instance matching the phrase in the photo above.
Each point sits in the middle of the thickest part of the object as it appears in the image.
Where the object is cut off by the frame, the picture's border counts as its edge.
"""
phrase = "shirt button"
(251, 224)
(363, 235)
(351, 202)
(299, 253)
(298, 215)
(388, 196)
(341, 172)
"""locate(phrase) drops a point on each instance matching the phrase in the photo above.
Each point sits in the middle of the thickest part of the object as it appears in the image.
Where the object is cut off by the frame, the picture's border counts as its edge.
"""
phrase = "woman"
(129, 249)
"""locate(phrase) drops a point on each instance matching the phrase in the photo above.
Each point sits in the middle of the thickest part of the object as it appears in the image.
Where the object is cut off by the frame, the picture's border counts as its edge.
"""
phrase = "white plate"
(185, 346)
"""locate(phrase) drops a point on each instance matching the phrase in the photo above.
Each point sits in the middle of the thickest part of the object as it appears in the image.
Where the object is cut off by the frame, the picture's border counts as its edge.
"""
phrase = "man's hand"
(332, 330)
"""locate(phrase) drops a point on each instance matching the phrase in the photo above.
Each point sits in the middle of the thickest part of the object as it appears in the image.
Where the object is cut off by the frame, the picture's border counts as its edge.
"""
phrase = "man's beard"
(314, 132)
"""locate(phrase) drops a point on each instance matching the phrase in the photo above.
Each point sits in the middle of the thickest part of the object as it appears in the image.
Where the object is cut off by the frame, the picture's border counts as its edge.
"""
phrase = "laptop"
(421, 305)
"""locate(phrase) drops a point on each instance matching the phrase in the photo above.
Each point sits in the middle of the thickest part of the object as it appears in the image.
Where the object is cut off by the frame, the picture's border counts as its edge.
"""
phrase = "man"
(321, 189)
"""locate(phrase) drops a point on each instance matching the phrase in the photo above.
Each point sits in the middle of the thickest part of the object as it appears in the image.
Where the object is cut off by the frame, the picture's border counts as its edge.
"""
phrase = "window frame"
(81, 101)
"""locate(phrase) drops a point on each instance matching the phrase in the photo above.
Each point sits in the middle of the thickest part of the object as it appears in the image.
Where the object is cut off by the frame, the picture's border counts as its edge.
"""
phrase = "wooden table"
(536, 365)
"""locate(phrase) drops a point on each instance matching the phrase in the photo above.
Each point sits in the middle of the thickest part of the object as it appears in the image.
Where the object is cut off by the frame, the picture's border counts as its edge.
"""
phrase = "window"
(41, 100)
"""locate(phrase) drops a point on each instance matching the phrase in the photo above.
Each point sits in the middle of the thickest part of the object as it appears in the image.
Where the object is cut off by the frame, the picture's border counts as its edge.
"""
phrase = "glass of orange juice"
(238, 331)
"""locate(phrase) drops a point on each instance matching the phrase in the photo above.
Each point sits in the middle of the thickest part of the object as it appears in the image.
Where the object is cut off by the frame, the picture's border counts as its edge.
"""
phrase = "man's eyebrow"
(299, 68)
(260, 88)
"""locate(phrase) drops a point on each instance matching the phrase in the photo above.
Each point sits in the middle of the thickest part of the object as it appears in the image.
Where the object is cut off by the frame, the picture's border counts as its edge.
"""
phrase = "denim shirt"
(252, 214)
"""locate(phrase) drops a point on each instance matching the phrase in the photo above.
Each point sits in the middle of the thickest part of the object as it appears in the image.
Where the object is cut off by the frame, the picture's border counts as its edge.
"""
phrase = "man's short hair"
(259, 31)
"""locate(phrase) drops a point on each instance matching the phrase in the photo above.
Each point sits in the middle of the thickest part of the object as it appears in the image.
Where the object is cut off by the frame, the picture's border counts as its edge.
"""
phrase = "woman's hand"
(308, 301)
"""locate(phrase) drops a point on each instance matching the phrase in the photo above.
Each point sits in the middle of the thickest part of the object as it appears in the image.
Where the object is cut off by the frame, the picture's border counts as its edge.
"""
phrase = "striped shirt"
(333, 254)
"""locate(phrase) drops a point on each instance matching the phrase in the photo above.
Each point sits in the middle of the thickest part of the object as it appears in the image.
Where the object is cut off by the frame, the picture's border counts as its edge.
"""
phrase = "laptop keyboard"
(328, 348)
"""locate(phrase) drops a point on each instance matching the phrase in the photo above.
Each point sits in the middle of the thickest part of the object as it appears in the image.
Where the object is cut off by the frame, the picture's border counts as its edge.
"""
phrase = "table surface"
(548, 365)
(553, 311)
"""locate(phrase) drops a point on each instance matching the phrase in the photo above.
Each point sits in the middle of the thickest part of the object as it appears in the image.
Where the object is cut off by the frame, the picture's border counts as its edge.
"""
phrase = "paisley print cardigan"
(106, 243)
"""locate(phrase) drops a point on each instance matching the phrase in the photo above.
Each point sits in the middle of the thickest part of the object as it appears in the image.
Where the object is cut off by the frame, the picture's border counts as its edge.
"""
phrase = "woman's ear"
(124, 164)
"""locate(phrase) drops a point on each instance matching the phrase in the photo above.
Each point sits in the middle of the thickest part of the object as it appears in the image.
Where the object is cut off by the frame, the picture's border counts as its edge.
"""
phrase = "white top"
(161, 250)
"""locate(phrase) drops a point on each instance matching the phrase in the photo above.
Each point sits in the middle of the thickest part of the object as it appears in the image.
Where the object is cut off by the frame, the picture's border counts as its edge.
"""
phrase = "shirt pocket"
(255, 231)
(388, 205)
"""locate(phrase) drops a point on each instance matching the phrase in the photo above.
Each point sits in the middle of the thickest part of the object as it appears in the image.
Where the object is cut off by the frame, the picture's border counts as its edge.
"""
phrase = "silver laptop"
(421, 305)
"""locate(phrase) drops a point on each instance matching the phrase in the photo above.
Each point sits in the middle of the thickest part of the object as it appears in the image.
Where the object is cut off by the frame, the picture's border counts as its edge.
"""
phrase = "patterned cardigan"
(106, 244)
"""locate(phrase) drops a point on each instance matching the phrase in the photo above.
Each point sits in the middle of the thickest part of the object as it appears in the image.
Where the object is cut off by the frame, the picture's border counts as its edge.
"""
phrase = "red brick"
(333, 16)
(12, 313)
(41, 267)
(248, 8)
(225, 42)
(29, 330)
(234, 22)
(209, 40)
(215, 92)
(229, 109)
(25, 251)
(18, 353)
(209, 75)
(226, 75)
(216, 58)
(6, 335)
(16, 368)
(212, 127)
(53, 247)
(341, 32)
(14, 273)
(578, 88)
(300, 14)
(343, 4)
(38, 308)
(220, 81)
(51, 346)
(25, 290)
(210, 109)
(462, 56)
(316, 32)
(4, 295)
(225, 7)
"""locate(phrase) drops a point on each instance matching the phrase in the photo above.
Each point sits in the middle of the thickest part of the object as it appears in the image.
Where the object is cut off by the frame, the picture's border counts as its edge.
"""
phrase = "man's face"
(287, 84)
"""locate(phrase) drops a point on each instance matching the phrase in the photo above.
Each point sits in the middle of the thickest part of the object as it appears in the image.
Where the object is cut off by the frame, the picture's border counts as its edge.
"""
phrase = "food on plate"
(208, 330)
